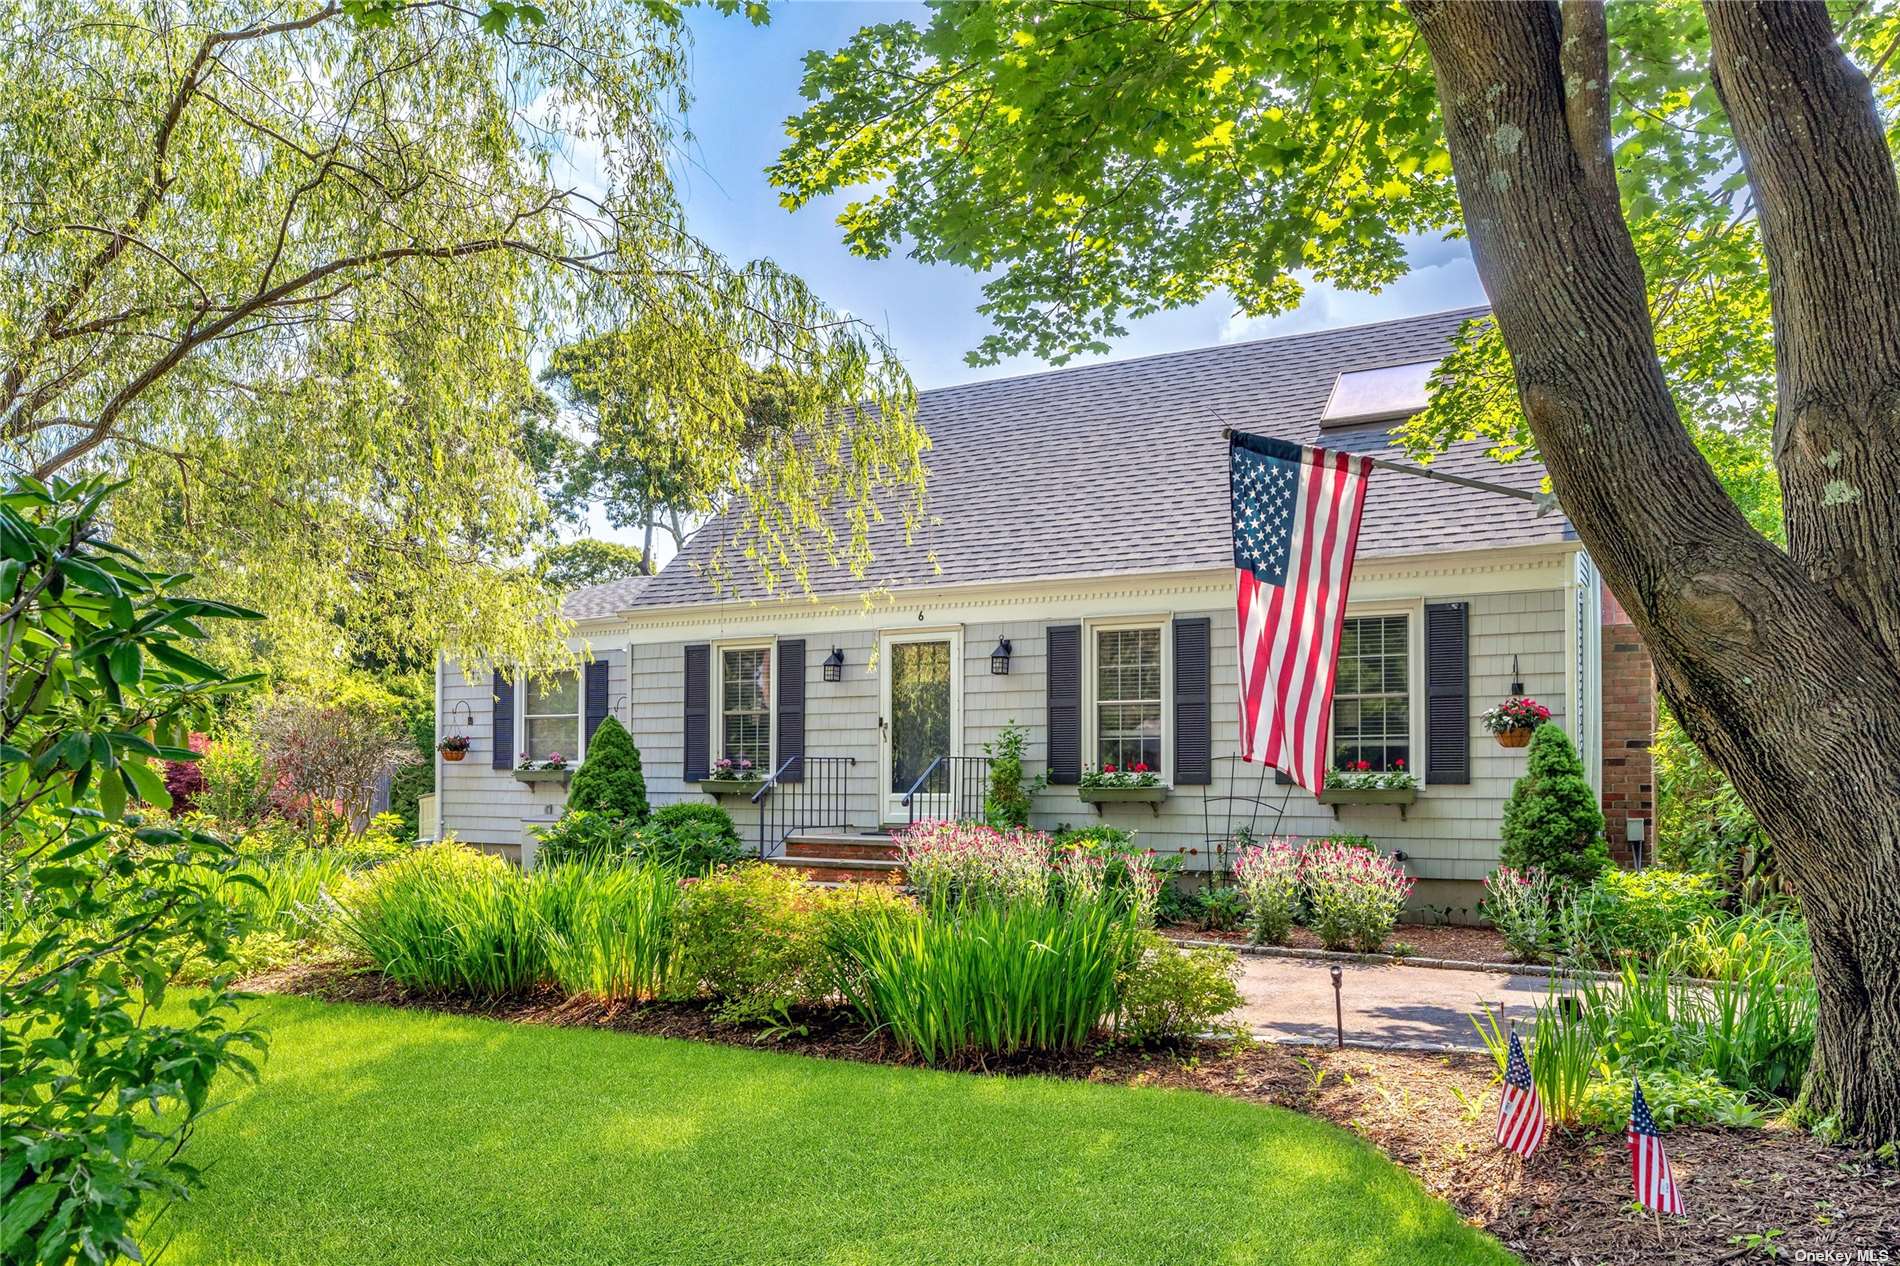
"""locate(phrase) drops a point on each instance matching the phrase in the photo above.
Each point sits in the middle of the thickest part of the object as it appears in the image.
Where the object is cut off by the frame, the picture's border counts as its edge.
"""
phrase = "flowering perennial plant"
(1521, 905)
(554, 761)
(952, 862)
(1082, 873)
(1145, 879)
(739, 770)
(1135, 775)
(1515, 714)
(1270, 876)
(1355, 895)
(1361, 776)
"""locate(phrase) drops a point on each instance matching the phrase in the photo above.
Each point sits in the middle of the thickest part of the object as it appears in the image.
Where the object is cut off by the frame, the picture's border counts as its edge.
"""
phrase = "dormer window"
(1388, 394)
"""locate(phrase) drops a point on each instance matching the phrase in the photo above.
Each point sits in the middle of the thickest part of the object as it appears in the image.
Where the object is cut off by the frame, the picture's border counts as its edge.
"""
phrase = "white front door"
(921, 711)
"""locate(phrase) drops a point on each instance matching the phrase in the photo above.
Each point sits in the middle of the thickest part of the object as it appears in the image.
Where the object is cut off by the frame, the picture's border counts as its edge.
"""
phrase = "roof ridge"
(1206, 349)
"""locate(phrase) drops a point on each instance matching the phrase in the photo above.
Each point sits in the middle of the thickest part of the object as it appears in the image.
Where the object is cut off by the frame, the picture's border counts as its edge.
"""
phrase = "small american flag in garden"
(1655, 1184)
(1296, 525)
(1520, 1111)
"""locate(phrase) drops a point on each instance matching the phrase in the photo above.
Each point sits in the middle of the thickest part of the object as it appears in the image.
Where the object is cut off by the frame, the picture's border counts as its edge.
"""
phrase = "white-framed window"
(742, 691)
(551, 715)
(1126, 675)
(1376, 703)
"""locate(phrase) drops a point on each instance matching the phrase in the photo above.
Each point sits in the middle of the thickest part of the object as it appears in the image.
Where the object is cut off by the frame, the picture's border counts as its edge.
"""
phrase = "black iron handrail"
(817, 795)
(953, 787)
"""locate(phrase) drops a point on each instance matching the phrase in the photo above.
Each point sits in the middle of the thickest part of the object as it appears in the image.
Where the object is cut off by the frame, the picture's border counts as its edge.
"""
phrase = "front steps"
(842, 857)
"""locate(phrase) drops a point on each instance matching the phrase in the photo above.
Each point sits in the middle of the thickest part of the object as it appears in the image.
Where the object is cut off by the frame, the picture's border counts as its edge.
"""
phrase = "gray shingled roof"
(595, 601)
(1120, 467)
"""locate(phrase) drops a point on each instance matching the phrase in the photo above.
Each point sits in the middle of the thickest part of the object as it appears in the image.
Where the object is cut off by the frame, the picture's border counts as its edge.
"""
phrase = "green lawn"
(391, 1136)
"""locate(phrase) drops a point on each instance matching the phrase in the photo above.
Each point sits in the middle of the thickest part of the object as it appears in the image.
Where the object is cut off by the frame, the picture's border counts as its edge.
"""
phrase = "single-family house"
(1077, 579)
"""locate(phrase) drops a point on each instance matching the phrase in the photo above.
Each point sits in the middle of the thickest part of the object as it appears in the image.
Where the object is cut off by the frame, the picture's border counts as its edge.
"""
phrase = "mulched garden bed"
(1752, 1194)
(1443, 940)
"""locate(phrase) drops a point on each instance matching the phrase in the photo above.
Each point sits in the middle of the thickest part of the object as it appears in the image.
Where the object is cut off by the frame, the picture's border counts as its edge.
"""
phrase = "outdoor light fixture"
(834, 664)
(999, 658)
(1517, 678)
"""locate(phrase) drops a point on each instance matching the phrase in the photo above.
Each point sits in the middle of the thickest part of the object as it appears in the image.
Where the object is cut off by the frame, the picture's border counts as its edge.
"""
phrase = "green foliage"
(1674, 1097)
(671, 817)
(1008, 799)
(309, 352)
(1170, 994)
(582, 836)
(695, 845)
(1218, 907)
(1702, 824)
(1269, 875)
(238, 783)
(577, 564)
(1131, 166)
(1552, 820)
(610, 930)
(447, 919)
(415, 778)
(992, 978)
(610, 780)
(1640, 912)
(104, 904)
(751, 941)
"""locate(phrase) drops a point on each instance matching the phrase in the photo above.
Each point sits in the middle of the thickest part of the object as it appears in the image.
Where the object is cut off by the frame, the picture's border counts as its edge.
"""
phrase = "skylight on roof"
(1378, 395)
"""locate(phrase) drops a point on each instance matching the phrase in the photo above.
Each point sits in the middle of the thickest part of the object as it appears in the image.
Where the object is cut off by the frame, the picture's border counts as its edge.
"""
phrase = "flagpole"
(1544, 502)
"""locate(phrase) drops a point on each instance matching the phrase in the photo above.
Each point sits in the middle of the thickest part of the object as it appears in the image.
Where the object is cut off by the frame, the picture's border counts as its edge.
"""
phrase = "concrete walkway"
(1387, 1005)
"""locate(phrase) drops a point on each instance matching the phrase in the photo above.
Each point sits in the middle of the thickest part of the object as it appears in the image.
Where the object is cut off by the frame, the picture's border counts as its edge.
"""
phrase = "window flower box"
(729, 786)
(1333, 797)
(1152, 796)
(560, 775)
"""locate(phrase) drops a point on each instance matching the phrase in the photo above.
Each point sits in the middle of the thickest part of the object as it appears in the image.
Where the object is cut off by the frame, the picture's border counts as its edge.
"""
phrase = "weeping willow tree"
(288, 270)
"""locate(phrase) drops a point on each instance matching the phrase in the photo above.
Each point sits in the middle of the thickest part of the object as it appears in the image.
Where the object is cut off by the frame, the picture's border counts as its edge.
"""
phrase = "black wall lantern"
(1517, 678)
(999, 658)
(834, 664)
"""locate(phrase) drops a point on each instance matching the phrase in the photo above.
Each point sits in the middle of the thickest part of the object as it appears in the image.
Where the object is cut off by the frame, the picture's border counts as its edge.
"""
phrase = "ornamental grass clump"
(611, 930)
(1269, 875)
(446, 919)
(982, 979)
(959, 862)
(1355, 896)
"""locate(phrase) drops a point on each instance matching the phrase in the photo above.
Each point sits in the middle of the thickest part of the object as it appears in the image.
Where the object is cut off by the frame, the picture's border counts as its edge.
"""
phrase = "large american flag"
(1649, 1166)
(1296, 524)
(1520, 1111)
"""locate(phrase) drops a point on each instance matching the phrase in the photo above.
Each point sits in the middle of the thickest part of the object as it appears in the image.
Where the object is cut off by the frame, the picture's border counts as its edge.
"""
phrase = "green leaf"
(23, 1212)
(146, 783)
(87, 576)
(128, 668)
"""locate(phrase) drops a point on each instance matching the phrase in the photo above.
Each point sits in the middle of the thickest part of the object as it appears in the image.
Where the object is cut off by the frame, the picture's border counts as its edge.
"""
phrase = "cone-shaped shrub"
(1552, 819)
(609, 781)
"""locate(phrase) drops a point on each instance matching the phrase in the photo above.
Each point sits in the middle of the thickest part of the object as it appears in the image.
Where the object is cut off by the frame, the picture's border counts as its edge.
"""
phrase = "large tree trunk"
(1784, 667)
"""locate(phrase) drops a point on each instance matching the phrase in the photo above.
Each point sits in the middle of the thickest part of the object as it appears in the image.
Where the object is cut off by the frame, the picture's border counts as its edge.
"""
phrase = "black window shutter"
(595, 708)
(791, 709)
(1447, 692)
(1193, 721)
(696, 732)
(1065, 704)
(501, 723)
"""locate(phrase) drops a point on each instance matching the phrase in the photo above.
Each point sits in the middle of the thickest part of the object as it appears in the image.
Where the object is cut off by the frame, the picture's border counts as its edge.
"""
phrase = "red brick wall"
(1629, 727)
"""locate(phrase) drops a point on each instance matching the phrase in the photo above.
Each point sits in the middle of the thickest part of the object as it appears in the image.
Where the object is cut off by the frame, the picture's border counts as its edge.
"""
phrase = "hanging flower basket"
(1514, 719)
(453, 746)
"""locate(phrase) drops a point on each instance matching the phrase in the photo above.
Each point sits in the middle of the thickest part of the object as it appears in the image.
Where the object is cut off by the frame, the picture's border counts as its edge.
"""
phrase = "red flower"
(1108, 769)
(1140, 768)
(1400, 763)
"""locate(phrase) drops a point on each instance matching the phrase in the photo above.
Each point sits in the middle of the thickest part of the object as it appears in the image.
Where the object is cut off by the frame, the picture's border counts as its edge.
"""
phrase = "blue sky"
(745, 85)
